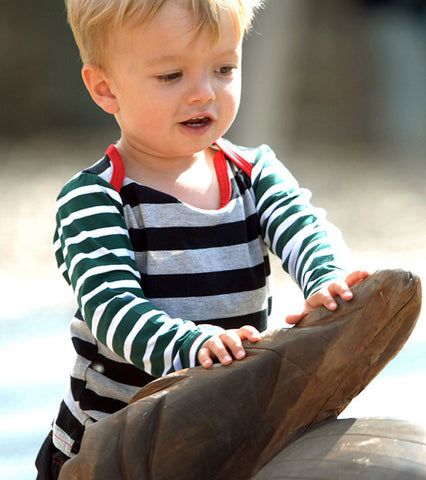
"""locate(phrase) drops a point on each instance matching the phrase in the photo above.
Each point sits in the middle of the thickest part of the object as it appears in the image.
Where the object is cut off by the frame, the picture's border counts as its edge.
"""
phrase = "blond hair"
(91, 20)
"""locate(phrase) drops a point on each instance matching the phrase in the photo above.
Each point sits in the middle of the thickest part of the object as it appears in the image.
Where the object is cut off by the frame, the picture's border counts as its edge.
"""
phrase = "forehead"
(205, 14)
(173, 32)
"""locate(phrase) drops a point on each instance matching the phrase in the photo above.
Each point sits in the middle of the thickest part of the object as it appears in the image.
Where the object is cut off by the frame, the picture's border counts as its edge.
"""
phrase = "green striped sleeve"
(95, 255)
(311, 249)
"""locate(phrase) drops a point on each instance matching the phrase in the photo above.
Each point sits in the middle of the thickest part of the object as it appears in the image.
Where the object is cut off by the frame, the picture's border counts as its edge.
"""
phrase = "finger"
(296, 317)
(232, 340)
(204, 357)
(293, 319)
(248, 332)
(329, 302)
(341, 290)
(218, 346)
(211, 349)
(355, 277)
(318, 299)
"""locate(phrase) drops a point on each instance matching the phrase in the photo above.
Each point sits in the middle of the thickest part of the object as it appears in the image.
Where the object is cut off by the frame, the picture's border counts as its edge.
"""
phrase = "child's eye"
(169, 77)
(226, 70)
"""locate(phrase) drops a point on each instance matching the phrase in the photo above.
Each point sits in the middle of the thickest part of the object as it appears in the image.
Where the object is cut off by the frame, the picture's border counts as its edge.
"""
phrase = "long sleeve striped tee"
(155, 277)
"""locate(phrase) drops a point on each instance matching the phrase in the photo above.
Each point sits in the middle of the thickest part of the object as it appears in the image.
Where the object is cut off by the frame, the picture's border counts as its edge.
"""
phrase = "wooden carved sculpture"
(226, 423)
(353, 449)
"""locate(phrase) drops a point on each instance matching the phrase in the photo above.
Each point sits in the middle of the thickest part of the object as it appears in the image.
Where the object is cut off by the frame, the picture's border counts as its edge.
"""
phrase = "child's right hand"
(226, 345)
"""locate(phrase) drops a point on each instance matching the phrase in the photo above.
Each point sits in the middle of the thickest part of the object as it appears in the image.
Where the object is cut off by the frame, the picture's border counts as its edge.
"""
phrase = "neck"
(139, 162)
(191, 179)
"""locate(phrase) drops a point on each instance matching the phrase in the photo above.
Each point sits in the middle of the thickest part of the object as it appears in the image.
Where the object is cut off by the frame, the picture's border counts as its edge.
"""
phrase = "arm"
(311, 249)
(95, 255)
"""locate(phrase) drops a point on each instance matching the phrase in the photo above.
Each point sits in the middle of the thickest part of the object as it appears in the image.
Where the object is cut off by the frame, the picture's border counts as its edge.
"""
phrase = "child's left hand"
(325, 296)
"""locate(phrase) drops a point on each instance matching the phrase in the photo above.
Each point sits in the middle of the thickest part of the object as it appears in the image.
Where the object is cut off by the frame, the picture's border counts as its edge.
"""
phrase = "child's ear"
(98, 84)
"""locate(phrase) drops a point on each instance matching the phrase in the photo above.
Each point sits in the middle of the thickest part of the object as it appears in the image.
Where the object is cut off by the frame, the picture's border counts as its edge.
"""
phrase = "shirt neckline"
(220, 165)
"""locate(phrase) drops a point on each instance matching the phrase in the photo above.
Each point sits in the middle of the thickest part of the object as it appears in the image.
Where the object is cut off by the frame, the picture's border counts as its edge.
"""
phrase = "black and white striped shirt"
(155, 277)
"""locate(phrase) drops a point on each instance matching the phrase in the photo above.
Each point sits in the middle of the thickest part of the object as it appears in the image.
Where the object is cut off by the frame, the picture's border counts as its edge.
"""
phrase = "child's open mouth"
(197, 122)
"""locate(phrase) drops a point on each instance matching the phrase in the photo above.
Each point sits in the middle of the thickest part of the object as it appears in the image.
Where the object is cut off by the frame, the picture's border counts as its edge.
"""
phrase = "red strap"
(117, 167)
(239, 161)
(118, 171)
(223, 178)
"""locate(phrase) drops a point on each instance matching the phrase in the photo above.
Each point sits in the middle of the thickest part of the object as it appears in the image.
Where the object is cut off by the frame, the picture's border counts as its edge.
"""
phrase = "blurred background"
(336, 87)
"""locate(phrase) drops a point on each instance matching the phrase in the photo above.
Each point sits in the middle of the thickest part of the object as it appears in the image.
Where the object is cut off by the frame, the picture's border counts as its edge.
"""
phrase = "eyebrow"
(160, 60)
(173, 58)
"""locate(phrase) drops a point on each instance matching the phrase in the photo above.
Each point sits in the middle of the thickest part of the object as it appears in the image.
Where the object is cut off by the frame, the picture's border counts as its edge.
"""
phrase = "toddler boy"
(165, 240)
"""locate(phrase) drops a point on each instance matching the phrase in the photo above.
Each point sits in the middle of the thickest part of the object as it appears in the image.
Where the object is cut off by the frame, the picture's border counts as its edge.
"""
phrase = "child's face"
(176, 93)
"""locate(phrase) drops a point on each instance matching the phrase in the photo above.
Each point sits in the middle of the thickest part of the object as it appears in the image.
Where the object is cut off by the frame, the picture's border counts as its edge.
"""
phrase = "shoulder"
(251, 155)
(89, 184)
(256, 161)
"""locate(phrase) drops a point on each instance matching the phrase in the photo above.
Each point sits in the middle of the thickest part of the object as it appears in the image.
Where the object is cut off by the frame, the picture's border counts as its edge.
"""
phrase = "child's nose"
(201, 92)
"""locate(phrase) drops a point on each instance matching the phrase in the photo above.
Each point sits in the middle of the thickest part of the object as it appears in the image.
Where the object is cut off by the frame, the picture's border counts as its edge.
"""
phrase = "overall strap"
(226, 148)
(117, 167)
